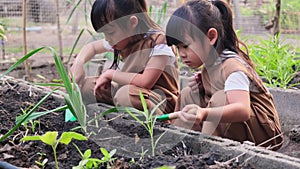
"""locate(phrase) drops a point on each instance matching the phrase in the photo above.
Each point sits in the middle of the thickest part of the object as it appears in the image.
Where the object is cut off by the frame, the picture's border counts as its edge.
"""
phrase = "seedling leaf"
(49, 137)
(67, 137)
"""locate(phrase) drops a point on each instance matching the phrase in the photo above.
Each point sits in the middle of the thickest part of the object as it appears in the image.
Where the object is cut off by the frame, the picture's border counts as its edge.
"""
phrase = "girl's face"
(191, 52)
(116, 36)
(119, 35)
(194, 52)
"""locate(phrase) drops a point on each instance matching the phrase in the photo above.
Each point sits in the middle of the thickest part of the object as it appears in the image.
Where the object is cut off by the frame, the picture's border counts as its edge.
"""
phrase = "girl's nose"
(182, 54)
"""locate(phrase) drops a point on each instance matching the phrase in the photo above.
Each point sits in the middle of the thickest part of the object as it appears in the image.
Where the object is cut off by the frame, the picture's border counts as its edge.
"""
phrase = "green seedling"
(166, 167)
(43, 163)
(88, 163)
(41, 157)
(50, 138)
(107, 156)
(32, 122)
(150, 120)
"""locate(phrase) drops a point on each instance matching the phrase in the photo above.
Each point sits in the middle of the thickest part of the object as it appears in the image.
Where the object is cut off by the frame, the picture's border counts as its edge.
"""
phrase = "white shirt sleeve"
(106, 45)
(164, 49)
(237, 81)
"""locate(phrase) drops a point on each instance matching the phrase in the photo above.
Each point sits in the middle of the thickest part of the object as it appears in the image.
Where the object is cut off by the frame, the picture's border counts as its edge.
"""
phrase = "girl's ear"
(133, 21)
(212, 35)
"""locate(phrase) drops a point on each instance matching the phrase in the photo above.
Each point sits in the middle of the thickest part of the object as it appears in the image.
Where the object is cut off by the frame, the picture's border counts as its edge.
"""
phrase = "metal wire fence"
(42, 27)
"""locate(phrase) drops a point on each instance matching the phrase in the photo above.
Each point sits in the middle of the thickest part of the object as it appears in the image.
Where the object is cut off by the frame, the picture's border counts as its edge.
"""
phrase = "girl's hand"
(77, 72)
(103, 82)
(195, 83)
(190, 117)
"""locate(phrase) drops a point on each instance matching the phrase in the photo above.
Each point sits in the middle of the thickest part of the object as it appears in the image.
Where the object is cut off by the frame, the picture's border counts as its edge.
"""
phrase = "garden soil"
(16, 98)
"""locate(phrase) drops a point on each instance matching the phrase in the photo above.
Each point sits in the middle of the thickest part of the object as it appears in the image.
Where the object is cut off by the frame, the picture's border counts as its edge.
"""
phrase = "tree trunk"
(59, 31)
(237, 13)
(276, 26)
(27, 61)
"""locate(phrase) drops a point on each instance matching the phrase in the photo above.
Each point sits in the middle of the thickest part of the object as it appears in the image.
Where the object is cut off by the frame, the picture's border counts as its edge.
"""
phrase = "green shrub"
(275, 62)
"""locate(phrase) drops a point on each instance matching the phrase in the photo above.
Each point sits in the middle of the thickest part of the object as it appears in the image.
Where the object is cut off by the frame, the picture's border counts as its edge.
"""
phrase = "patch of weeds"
(275, 62)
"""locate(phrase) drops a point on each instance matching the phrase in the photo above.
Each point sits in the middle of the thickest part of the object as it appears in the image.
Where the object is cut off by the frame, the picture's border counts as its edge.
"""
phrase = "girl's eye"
(182, 46)
(110, 33)
(185, 46)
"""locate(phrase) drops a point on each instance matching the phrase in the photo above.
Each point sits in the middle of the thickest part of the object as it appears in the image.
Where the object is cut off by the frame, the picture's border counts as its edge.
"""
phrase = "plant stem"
(55, 158)
(152, 145)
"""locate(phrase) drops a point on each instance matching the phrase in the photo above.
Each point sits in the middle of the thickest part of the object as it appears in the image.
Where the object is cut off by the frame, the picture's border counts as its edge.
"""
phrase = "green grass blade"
(63, 73)
(113, 110)
(21, 61)
(75, 44)
(144, 104)
(156, 107)
(136, 118)
(39, 114)
(73, 10)
(50, 84)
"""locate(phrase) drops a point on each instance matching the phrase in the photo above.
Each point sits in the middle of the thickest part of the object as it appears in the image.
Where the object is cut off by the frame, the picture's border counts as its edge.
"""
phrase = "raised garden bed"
(178, 147)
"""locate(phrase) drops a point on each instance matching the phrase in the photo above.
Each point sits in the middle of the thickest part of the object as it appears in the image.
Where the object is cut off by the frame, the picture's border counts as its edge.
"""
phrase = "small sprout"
(43, 163)
(50, 138)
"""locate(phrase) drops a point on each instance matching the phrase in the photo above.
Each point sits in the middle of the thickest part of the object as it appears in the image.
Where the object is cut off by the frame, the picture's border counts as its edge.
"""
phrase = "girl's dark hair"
(106, 11)
(196, 17)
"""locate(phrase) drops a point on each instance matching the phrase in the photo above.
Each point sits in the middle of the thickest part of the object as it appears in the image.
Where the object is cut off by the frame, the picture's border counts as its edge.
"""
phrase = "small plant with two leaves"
(150, 120)
(50, 138)
(88, 163)
(275, 62)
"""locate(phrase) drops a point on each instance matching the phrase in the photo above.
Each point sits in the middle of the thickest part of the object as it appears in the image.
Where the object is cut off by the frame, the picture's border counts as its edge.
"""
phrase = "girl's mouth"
(187, 63)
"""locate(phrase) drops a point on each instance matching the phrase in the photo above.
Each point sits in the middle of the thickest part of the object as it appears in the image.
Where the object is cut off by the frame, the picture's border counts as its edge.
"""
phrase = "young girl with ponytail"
(227, 98)
(148, 63)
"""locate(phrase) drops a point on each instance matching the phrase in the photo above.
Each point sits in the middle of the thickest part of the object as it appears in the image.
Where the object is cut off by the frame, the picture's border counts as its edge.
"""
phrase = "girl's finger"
(188, 107)
(192, 83)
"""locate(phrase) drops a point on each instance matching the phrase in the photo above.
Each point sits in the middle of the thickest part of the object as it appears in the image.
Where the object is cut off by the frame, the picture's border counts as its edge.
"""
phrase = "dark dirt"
(15, 97)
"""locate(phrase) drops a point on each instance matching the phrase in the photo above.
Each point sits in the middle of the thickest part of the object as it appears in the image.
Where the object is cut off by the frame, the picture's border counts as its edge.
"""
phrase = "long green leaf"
(21, 61)
(63, 73)
(113, 110)
(39, 114)
(75, 44)
(144, 104)
(73, 10)
(50, 84)
(136, 118)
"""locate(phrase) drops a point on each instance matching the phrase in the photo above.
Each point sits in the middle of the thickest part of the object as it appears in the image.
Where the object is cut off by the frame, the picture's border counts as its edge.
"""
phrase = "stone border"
(287, 103)
(200, 144)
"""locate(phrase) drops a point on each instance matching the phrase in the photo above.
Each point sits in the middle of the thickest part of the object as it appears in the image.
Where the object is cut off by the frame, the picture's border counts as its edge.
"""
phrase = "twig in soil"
(184, 148)
(118, 116)
(12, 87)
(108, 138)
(268, 148)
(226, 163)
(14, 138)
